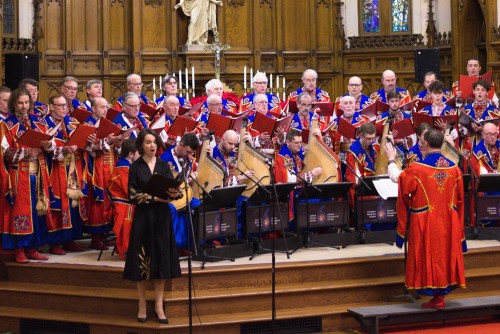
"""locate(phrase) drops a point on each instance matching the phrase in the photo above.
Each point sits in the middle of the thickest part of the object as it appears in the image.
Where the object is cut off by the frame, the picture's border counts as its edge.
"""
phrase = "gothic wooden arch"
(473, 22)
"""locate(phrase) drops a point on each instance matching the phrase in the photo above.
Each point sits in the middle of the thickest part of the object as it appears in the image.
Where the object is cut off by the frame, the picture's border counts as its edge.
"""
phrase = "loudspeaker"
(426, 60)
(19, 66)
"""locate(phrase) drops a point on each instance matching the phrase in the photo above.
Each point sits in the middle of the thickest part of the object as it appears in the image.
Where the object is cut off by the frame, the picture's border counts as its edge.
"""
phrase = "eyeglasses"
(73, 89)
(306, 104)
(354, 85)
(260, 82)
(136, 106)
(296, 142)
(171, 83)
(310, 80)
(215, 104)
(491, 134)
(60, 105)
(136, 84)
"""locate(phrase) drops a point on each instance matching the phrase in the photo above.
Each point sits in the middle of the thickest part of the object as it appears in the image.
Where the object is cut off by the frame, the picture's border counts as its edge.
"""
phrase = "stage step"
(310, 289)
(333, 318)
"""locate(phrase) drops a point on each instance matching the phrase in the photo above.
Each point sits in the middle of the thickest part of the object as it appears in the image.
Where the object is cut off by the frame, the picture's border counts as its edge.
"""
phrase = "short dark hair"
(5, 89)
(28, 81)
(429, 73)
(437, 87)
(368, 128)
(14, 96)
(483, 83)
(421, 128)
(128, 146)
(190, 139)
(167, 78)
(393, 94)
(140, 139)
(292, 134)
(434, 138)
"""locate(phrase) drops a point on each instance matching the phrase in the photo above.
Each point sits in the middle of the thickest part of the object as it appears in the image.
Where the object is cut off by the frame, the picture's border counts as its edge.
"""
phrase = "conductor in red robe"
(431, 192)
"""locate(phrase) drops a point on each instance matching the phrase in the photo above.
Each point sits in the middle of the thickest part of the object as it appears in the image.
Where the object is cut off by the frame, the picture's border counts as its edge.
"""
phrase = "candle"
(251, 76)
(154, 89)
(284, 88)
(271, 82)
(245, 79)
(187, 83)
(192, 80)
(179, 80)
(277, 82)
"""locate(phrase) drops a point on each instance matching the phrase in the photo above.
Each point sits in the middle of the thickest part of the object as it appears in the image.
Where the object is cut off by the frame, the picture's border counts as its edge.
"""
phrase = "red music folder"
(148, 110)
(81, 114)
(404, 128)
(80, 135)
(32, 139)
(106, 128)
(467, 121)
(181, 126)
(190, 111)
(346, 129)
(219, 124)
(112, 113)
(263, 123)
(325, 108)
(466, 82)
(292, 107)
(375, 109)
(419, 118)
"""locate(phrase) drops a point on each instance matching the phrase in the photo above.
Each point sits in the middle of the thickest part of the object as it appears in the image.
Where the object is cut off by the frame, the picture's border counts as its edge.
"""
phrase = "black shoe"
(161, 321)
(142, 320)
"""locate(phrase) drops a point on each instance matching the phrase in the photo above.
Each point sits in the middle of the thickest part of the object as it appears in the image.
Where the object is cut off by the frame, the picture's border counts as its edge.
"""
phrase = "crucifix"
(217, 48)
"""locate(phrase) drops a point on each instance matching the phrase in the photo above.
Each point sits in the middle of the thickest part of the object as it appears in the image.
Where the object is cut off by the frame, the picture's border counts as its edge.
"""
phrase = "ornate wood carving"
(18, 44)
(236, 3)
(339, 25)
(324, 2)
(377, 42)
(431, 27)
(444, 39)
(56, 1)
(269, 2)
(114, 2)
(153, 3)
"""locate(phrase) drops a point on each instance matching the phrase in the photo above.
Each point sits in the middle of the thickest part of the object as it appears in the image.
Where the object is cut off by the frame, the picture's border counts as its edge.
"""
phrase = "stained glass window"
(400, 15)
(9, 20)
(371, 16)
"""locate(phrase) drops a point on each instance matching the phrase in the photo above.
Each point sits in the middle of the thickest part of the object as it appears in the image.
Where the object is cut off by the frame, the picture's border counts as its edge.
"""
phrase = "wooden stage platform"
(314, 290)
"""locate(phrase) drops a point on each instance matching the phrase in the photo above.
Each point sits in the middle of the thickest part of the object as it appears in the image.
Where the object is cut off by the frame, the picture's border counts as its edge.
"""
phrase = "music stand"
(487, 183)
(325, 214)
(382, 213)
(265, 196)
(222, 223)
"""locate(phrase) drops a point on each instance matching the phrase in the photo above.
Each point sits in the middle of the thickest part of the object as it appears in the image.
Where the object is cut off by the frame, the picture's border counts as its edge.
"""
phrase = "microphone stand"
(475, 181)
(191, 242)
(361, 231)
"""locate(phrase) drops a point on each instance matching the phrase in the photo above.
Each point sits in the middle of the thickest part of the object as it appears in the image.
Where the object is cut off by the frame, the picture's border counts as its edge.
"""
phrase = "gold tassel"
(42, 204)
(73, 191)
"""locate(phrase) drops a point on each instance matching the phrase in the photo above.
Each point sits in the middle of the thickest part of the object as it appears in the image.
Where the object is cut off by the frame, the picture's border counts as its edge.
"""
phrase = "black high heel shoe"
(142, 320)
(161, 321)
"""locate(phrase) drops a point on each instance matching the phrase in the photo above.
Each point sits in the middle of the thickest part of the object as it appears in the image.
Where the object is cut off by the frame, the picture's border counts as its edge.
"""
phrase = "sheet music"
(386, 188)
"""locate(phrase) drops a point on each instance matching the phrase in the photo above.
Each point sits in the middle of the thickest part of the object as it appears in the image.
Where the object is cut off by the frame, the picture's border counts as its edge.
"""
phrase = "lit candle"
(277, 83)
(192, 80)
(154, 89)
(251, 77)
(271, 82)
(245, 79)
(187, 83)
(160, 84)
(179, 80)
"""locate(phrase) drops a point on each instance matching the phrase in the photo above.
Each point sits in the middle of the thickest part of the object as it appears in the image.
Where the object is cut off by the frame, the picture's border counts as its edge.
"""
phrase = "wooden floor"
(225, 298)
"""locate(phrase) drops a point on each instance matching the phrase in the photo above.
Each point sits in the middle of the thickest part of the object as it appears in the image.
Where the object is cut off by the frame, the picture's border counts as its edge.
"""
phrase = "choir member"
(29, 219)
(389, 84)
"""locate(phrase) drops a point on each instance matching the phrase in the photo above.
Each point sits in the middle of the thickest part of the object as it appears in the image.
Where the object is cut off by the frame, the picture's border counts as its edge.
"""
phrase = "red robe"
(122, 209)
(432, 190)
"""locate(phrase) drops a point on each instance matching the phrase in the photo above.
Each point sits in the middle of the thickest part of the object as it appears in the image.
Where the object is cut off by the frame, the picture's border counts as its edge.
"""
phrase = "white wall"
(26, 20)
(442, 13)
(350, 15)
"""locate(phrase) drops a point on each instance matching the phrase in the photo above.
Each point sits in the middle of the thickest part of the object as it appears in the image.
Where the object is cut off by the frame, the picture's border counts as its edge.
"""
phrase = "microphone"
(182, 162)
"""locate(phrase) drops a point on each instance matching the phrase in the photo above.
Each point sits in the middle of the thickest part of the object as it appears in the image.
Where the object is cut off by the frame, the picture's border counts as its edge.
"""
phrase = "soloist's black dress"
(152, 251)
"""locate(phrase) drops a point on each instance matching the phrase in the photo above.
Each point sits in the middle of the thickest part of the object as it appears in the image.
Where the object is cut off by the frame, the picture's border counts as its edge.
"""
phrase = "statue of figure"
(203, 15)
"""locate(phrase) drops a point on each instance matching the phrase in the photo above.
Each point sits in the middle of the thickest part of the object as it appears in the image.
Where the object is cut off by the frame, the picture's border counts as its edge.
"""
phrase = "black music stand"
(486, 183)
(336, 214)
(216, 223)
(359, 207)
(263, 197)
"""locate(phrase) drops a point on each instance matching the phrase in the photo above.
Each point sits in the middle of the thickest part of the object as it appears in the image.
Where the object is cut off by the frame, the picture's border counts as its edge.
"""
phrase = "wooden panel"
(54, 35)
(86, 24)
(155, 25)
(265, 25)
(296, 26)
(118, 27)
(323, 22)
(238, 25)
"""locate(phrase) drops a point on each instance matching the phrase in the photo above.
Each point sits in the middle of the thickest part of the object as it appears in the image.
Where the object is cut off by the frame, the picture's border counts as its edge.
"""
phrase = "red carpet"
(472, 326)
